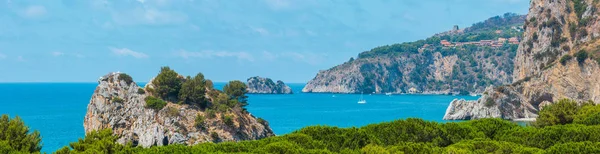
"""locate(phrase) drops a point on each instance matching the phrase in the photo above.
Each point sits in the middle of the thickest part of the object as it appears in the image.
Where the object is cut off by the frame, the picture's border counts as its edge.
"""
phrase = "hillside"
(459, 61)
(557, 59)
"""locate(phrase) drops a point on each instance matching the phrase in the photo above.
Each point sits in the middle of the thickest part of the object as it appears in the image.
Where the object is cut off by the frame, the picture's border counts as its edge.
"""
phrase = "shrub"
(101, 141)
(559, 113)
(199, 121)
(155, 103)
(15, 137)
(564, 59)
(228, 120)
(215, 136)
(172, 112)
(581, 56)
(588, 115)
(211, 113)
(141, 91)
(167, 84)
(117, 100)
(126, 78)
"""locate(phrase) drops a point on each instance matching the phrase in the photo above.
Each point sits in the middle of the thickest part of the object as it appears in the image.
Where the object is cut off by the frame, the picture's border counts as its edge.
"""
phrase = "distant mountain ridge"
(459, 61)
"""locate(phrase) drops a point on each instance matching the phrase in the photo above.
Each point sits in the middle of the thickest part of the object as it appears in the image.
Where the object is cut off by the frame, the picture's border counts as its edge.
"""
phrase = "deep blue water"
(57, 109)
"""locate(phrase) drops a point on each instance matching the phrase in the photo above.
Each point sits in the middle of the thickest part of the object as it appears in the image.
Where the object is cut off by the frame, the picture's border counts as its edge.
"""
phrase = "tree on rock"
(16, 138)
(167, 84)
(237, 91)
(193, 91)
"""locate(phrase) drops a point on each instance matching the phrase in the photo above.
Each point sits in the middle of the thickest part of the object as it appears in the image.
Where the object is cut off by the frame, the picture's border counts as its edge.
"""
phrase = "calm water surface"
(57, 109)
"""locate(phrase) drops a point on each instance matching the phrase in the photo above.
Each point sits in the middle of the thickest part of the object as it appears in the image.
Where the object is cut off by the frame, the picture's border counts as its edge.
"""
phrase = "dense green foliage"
(155, 103)
(196, 91)
(15, 137)
(117, 100)
(557, 135)
(581, 56)
(167, 84)
(193, 91)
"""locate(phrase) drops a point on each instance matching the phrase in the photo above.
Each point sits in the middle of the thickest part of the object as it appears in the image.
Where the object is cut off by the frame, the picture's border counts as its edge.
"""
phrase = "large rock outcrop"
(120, 106)
(465, 67)
(260, 85)
(547, 67)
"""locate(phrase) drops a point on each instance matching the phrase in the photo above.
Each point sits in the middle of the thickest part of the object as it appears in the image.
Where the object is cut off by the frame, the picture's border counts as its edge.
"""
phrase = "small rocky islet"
(261, 85)
(142, 117)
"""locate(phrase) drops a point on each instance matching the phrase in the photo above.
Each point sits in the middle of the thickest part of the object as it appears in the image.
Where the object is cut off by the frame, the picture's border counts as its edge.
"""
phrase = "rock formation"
(428, 66)
(259, 85)
(558, 58)
(120, 106)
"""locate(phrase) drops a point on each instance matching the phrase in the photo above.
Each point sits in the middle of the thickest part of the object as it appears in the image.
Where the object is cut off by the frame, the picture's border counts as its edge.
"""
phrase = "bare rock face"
(553, 31)
(120, 106)
(259, 85)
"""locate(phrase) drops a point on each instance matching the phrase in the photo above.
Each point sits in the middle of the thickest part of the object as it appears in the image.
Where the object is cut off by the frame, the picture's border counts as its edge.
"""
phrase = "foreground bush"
(15, 137)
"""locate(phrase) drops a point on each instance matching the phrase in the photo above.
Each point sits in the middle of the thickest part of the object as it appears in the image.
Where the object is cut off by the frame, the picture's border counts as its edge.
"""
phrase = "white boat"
(388, 94)
(361, 100)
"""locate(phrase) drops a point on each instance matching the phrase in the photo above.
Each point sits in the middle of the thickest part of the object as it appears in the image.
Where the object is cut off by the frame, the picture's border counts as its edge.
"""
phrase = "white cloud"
(128, 52)
(212, 54)
(34, 11)
(57, 54)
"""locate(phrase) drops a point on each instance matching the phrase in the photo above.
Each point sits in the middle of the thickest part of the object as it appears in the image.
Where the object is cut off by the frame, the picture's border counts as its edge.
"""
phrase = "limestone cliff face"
(119, 106)
(431, 66)
(428, 73)
(554, 29)
(259, 85)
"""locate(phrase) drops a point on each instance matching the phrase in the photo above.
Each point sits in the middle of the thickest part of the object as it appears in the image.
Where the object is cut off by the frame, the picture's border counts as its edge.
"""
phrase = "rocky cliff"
(557, 59)
(119, 104)
(448, 63)
(260, 85)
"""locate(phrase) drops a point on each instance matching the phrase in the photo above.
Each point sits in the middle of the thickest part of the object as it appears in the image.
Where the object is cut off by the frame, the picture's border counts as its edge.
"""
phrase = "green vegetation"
(564, 59)
(141, 91)
(155, 103)
(581, 56)
(172, 112)
(126, 78)
(167, 84)
(199, 121)
(237, 91)
(193, 91)
(228, 120)
(117, 100)
(16, 138)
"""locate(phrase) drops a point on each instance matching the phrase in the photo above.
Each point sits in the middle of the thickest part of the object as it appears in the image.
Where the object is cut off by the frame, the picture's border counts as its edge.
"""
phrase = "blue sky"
(289, 40)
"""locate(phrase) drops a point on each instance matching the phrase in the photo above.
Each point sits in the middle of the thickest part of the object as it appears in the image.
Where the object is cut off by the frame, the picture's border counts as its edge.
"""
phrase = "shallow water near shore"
(57, 109)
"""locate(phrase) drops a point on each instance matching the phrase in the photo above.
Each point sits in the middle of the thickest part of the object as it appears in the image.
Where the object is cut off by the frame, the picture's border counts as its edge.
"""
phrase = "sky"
(289, 40)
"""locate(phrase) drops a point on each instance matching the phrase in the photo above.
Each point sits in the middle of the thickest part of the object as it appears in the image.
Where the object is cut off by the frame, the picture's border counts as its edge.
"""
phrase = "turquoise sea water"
(57, 109)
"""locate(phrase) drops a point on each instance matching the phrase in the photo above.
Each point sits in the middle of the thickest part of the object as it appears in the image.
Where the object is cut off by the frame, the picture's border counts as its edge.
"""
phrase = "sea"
(57, 110)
